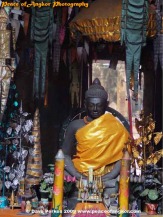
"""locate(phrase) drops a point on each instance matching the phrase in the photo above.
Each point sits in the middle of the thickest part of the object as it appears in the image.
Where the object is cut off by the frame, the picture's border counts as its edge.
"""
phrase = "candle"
(90, 174)
(123, 199)
(80, 182)
(58, 184)
(12, 199)
(100, 182)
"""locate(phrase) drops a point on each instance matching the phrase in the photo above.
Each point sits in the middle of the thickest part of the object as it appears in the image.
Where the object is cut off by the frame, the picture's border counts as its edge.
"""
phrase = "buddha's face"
(95, 107)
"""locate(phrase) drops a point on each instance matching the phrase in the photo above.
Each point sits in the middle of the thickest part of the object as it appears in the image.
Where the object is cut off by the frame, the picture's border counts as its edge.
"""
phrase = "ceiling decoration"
(102, 20)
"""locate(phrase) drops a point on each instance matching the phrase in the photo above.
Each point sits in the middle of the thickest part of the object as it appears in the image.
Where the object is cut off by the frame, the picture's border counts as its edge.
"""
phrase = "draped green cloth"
(133, 34)
(41, 35)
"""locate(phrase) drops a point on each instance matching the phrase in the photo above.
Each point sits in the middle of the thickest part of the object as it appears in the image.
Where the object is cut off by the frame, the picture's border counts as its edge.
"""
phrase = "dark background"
(59, 107)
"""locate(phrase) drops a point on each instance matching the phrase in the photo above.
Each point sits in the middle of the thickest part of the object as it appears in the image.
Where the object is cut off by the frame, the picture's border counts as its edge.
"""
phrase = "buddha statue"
(95, 141)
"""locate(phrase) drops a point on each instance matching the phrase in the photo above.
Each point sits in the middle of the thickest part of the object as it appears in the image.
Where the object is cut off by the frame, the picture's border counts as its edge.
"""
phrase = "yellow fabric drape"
(102, 20)
(108, 29)
(100, 143)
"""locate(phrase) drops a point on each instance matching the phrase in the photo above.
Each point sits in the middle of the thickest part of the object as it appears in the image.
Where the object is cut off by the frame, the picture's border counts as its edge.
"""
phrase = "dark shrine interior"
(96, 65)
(59, 107)
(57, 90)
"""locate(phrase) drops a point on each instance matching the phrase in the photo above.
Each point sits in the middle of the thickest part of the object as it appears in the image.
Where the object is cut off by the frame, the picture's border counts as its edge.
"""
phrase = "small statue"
(74, 86)
(28, 207)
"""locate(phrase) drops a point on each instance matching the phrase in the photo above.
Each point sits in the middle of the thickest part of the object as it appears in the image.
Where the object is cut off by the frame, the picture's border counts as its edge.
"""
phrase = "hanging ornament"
(7, 184)
(6, 71)
(41, 35)
(11, 176)
(133, 34)
(56, 46)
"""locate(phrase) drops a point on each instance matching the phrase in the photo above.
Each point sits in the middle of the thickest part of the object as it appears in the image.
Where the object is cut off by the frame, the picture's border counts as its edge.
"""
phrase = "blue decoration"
(3, 202)
(16, 103)
(14, 86)
(11, 115)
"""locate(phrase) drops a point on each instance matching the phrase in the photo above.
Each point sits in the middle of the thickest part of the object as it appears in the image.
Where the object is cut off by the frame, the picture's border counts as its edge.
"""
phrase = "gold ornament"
(140, 162)
(145, 139)
(151, 126)
(154, 158)
(135, 152)
(150, 136)
(144, 144)
(6, 71)
(34, 165)
(4, 35)
(138, 141)
(5, 78)
(158, 137)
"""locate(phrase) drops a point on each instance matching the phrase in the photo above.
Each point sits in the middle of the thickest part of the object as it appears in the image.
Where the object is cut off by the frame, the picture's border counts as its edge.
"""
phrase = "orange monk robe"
(100, 144)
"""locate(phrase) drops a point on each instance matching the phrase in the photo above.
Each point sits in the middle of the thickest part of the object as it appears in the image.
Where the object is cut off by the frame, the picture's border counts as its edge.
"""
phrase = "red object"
(23, 206)
(151, 208)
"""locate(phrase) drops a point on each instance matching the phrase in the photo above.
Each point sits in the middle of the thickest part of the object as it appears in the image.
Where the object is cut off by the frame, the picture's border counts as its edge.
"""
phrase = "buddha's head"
(96, 100)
